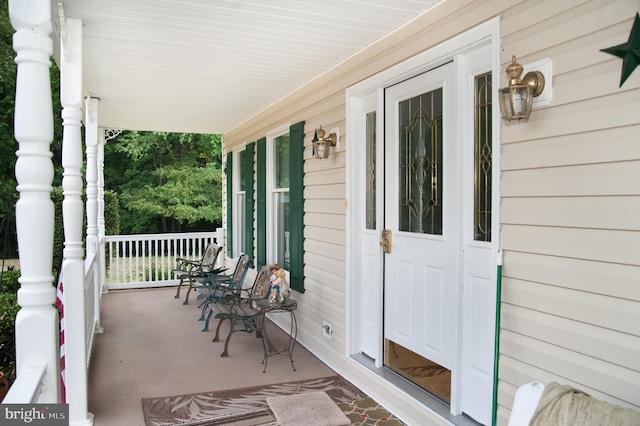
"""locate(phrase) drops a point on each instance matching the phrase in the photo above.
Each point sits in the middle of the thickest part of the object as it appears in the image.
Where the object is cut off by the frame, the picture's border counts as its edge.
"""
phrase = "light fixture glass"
(321, 144)
(516, 100)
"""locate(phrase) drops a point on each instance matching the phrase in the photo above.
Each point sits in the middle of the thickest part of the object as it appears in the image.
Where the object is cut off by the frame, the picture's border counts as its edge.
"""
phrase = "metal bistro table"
(265, 307)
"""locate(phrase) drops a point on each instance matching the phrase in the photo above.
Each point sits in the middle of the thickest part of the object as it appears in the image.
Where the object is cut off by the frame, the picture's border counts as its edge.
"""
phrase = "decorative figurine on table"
(280, 290)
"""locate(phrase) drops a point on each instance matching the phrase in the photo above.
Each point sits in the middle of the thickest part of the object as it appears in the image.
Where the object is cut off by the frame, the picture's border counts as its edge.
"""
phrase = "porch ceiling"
(205, 66)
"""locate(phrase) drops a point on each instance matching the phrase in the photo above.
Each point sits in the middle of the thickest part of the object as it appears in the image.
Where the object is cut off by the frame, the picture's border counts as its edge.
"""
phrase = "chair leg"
(177, 296)
(186, 298)
(216, 338)
(204, 305)
(225, 353)
(206, 324)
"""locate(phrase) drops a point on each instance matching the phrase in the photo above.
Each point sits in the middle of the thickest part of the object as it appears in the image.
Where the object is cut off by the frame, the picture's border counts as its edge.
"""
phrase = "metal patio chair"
(189, 270)
(214, 286)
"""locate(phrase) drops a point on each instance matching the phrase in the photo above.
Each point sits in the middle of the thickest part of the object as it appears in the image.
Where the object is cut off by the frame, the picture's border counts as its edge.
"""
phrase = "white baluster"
(37, 334)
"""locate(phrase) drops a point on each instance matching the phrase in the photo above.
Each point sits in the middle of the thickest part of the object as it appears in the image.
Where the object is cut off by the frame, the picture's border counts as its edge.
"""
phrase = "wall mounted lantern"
(516, 99)
(322, 145)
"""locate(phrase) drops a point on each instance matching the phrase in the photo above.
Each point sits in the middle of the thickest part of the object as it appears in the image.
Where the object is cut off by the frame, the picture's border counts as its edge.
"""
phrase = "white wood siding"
(570, 199)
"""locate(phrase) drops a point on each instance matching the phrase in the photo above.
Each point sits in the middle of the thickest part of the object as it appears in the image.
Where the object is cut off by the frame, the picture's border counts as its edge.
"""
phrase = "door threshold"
(434, 404)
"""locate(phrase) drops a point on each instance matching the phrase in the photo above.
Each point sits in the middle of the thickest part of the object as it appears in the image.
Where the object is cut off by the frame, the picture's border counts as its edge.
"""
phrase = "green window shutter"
(228, 169)
(248, 188)
(296, 204)
(261, 205)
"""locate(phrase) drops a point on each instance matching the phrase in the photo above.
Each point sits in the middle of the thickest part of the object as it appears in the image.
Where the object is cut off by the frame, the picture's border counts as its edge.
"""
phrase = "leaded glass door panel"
(421, 211)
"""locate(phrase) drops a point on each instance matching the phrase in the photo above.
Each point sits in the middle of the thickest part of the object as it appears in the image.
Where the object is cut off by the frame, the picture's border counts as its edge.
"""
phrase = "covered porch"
(101, 95)
(152, 346)
(557, 190)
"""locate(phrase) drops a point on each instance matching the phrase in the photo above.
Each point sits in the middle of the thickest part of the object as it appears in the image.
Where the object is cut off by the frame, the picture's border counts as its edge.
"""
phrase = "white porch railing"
(133, 261)
(92, 300)
(27, 387)
(28, 384)
(146, 260)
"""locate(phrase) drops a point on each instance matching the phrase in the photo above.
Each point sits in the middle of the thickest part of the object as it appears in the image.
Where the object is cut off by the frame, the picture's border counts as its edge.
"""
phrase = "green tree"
(8, 145)
(168, 182)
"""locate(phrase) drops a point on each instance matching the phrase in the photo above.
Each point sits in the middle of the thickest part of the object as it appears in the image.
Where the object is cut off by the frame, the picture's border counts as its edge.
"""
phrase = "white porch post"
(37, 335)
(91, 140)
(72, 212)
(101, 231)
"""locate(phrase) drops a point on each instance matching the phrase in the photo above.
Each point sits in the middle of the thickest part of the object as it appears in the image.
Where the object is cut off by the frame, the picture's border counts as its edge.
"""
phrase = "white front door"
(421, 212)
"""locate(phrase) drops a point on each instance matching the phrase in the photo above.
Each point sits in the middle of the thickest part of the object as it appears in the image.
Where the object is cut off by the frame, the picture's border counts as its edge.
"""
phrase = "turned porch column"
(72, 213)
(92, 138)
(101, 232)
(37, 334)
(91, 141)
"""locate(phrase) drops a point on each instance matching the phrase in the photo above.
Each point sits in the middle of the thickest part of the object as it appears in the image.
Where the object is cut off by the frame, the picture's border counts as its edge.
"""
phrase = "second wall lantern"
(322, 145)
(516, 100)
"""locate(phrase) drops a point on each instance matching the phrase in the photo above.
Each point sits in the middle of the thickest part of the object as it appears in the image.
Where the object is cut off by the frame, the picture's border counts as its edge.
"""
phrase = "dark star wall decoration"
(629, 51)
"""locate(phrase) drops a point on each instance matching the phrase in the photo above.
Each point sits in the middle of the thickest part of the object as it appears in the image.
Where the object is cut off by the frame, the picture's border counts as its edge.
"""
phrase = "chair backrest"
(210, 257)
(262, 285)
(236, 280)
(241, 268)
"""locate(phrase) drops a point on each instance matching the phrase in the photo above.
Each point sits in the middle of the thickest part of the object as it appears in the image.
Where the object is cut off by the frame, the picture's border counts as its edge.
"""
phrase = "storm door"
(421, 220)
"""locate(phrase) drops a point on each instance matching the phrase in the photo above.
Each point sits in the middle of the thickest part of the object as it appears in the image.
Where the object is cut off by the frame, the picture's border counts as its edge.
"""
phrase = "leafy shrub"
(58, 229)
(9, 282)
(8, 310)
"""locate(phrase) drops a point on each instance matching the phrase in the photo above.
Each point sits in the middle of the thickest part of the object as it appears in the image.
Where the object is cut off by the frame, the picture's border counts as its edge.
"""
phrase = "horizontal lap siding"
(614, 213)
(577, 274)
(570, 197)
(600, 146)
(570, 209)
(574, 334)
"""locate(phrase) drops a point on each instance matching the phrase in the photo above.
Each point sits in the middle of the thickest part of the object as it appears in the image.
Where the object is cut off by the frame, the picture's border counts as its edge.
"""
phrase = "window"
(279, 212)
(483, 158)
(240, 200)
(239, 203)
(228, 171)
(421, 166)
(371, 165)
(279, 225)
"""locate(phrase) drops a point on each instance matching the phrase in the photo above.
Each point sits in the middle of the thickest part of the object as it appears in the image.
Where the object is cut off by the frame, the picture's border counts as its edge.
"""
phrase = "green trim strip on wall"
(496, 346)
(229, 174)
(261, 204)
(296, 204)
(248, 188)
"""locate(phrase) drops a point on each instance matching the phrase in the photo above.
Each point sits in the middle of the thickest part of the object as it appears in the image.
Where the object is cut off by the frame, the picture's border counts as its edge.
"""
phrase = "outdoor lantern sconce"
(322, 145)
(517, 99)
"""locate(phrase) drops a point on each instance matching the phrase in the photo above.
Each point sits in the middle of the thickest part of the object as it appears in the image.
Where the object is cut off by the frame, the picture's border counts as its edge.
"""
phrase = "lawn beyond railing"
(146, 260)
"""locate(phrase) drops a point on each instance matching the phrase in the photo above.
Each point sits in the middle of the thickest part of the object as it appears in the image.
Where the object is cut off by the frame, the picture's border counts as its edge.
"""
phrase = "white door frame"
(487, 33)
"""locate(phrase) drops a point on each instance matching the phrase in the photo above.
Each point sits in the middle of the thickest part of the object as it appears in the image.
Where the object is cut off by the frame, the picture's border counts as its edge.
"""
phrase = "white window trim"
(238, 223)
(270, 191)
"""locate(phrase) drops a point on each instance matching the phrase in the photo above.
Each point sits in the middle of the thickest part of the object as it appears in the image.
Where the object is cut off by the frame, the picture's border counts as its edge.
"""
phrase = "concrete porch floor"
(152, 346)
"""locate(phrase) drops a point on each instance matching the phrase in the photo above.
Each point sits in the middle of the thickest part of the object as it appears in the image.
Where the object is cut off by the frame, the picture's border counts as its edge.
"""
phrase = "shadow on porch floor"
(152, 346)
